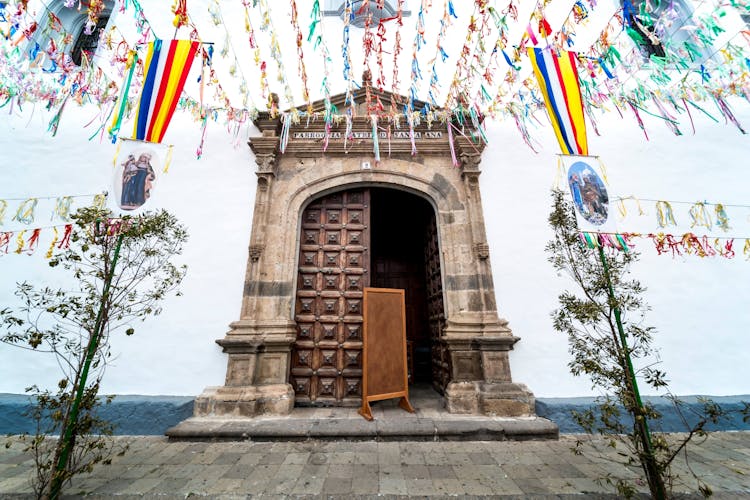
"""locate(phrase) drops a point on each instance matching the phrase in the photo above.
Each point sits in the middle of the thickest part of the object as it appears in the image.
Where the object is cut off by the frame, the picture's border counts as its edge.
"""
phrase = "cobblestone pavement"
(156, 467)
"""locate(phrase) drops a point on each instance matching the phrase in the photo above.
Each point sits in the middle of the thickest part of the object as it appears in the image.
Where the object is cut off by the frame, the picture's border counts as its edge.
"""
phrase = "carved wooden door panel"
(435, 312)
(332, 274)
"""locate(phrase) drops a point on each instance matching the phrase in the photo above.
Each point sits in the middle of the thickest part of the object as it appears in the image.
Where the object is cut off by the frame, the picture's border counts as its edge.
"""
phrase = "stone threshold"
(388, 429)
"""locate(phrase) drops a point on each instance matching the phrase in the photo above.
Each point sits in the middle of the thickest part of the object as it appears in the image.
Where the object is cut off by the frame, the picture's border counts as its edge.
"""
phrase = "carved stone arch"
(436, 197)
(309, 193)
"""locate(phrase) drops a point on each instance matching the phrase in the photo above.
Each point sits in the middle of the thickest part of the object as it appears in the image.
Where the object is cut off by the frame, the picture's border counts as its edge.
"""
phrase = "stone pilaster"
(481, 381)
(257, 367)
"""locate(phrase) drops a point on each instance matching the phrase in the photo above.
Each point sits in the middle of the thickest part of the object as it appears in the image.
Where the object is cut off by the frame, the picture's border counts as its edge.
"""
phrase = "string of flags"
(634, 66)
(701, 213)
(27, 240)
(26, 208)
(669, 244)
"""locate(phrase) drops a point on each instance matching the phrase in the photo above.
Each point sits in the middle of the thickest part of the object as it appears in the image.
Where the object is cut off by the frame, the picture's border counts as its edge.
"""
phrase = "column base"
(245, 401)
(497, 399)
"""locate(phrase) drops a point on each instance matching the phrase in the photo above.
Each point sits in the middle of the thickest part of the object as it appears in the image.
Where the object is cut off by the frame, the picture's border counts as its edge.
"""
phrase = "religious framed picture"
(589, 193)
(135, 177)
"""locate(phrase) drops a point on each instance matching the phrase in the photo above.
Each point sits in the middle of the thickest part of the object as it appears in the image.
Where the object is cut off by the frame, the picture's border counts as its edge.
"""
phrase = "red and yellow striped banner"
(166, 70)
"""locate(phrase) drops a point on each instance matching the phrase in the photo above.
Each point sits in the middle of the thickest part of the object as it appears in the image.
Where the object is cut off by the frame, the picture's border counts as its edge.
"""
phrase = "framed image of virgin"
(135, 174)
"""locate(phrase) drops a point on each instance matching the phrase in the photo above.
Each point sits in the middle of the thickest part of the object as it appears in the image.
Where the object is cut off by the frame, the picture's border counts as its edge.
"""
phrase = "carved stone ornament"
(470, 162)
(266, 163)
(482, 251)
(255, 252)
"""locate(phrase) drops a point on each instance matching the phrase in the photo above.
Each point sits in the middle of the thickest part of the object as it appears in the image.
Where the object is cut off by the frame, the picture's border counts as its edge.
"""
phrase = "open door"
(385, 373)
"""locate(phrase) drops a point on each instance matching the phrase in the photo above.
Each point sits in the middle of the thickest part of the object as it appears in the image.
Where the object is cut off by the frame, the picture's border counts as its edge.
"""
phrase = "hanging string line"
(61, 196)
(680, 202)
(629, 234)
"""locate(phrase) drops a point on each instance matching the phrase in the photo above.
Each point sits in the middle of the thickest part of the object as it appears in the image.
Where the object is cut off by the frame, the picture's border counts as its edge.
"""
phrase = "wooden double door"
(335, 255)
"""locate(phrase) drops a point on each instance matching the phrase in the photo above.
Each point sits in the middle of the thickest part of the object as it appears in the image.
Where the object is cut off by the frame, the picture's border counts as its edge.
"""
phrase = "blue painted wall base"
(132, 415)
(559, 411)
(153, 415)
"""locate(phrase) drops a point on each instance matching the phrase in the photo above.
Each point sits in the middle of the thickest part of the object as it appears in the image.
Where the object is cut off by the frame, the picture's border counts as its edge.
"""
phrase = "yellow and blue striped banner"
(558, 81)
(166, 70)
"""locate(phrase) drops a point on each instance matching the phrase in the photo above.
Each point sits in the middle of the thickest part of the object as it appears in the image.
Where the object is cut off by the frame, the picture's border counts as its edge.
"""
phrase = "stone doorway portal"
(430, 220)
(351, 239)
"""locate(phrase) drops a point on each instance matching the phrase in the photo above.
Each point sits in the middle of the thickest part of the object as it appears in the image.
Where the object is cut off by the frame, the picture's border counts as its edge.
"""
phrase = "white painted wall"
(213, 197)
(699, 305)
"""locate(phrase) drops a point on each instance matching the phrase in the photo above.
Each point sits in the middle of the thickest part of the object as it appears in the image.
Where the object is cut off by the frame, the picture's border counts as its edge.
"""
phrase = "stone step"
(391, 428)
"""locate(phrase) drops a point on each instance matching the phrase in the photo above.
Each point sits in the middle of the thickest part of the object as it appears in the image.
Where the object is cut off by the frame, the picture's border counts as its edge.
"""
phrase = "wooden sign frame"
(384, 340)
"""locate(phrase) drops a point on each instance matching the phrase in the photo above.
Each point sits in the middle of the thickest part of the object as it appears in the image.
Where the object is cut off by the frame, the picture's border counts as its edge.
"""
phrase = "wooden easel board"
(384, 369)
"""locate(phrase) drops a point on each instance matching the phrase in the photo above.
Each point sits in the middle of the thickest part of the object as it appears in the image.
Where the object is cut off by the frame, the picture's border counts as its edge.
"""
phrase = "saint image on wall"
(588, 192)
(135, 176)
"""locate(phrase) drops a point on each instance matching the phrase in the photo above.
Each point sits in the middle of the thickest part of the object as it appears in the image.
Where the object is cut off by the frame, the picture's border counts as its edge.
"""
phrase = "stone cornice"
(306, 141)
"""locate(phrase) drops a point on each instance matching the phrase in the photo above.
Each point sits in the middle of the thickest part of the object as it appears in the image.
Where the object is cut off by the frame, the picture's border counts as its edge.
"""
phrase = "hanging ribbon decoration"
(29, 246)
(168, 158)
(62, 207)
(396, 51)
(623, 210)
(301, 71)
(727, 112)
(100, 201)
(65, 240)
(20, 242)
(345, 53)
(33, 241)
(316, 31)
(204, 126)
(670, 120)
(453, 99)
(51, 248)
(664, 214)
(286, 123)
(179, 9)
(367, 45)
(638, 118)
(25, 211)
(3, 207)
(454, 161)
(606, 240)
(54, 123)
(5, 242)
(419, 41)
(380, 32)
(477, 64)
(699, 216)
(498, 48)
(722, 219)
(375, 142)
(114, 129)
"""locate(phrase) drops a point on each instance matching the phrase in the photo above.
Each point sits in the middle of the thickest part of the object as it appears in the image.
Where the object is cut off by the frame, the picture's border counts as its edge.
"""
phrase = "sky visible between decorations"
(452, 54)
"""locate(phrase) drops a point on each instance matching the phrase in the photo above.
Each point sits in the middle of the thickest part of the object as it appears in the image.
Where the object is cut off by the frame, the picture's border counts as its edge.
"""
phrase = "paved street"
(156, 467)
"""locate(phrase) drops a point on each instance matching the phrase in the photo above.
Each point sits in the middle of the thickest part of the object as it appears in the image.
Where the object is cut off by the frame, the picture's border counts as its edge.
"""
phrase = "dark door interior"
(399, 223)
